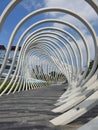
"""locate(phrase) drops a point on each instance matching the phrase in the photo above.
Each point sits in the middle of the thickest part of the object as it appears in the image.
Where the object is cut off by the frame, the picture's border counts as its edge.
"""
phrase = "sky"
(26, 6)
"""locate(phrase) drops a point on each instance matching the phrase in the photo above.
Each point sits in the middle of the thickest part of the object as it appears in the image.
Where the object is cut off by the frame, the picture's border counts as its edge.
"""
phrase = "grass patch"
(34, 84)
(5, 85)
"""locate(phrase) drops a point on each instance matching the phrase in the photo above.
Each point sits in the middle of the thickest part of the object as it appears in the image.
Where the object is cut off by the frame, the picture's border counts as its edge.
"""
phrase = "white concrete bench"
(71, 103)
(77, 111)
(68, 93)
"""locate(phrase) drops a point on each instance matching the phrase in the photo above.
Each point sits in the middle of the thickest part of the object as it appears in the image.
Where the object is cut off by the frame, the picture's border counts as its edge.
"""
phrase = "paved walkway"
(31, 110)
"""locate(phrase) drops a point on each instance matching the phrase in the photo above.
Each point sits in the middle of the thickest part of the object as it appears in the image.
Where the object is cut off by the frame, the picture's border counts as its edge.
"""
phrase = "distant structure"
(12, 53)
(2, 51)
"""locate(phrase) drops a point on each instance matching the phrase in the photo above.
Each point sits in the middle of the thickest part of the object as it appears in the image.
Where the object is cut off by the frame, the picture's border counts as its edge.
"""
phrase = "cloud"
(30, 5)
(79, 6)
(83, 9)
(83, 49)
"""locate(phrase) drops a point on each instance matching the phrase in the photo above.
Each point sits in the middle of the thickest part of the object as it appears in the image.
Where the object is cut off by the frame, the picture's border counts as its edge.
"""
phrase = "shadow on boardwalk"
(31, 110)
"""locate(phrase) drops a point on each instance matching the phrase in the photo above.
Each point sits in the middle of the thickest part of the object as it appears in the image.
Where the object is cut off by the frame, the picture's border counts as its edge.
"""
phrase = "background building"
(2, 51)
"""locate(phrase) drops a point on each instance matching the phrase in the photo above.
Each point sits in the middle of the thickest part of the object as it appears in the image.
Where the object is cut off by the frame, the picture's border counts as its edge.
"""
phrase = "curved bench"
(77, 111)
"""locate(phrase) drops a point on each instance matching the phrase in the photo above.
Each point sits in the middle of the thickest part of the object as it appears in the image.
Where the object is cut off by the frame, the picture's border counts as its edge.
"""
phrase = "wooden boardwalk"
(31, 110)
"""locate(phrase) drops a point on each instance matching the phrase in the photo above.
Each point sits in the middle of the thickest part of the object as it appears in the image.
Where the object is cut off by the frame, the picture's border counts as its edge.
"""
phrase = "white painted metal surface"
(55, 52)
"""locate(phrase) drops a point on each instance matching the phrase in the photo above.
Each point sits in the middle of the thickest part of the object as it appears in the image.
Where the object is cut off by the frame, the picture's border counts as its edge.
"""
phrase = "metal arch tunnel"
(55, 50)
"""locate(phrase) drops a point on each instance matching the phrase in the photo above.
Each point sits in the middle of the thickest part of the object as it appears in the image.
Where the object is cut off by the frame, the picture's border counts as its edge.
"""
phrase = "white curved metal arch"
(44, 42)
